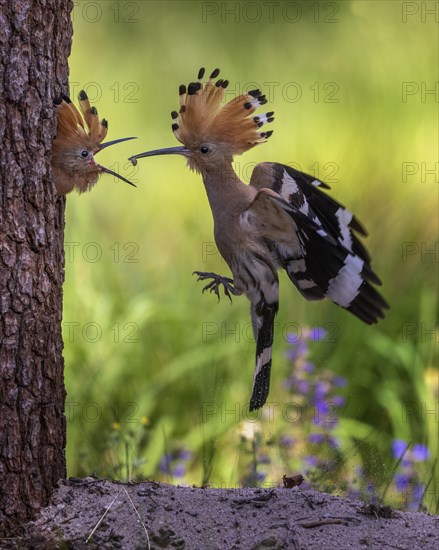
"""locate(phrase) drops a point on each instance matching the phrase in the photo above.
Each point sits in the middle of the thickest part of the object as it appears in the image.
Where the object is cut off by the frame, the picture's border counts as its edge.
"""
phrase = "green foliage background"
(142, 375)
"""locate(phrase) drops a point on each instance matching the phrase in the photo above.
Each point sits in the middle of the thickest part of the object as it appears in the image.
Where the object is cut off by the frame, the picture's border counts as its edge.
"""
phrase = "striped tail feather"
(263, 315)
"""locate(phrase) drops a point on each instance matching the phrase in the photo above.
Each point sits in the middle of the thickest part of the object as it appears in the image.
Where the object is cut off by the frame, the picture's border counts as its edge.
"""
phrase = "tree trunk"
(35, 41)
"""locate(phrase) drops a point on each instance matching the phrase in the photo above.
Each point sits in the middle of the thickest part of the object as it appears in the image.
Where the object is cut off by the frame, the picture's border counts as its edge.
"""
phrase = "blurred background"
(159, 375)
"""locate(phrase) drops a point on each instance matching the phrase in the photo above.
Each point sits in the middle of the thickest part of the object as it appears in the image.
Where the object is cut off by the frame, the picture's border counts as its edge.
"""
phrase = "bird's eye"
(84, 153)
(204, 149)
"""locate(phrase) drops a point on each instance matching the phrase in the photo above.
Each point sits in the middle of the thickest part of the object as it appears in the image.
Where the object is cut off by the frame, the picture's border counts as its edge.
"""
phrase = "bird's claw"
(215, 284)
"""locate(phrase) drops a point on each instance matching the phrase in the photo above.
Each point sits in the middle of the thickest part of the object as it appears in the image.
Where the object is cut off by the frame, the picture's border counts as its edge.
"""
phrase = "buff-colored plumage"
(205, 117)
(79, 137)
(79, 126)
(280, 220)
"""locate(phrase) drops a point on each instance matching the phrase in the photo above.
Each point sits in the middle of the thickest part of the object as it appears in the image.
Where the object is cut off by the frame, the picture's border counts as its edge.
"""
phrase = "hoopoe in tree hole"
(78, 139)
(281, 220)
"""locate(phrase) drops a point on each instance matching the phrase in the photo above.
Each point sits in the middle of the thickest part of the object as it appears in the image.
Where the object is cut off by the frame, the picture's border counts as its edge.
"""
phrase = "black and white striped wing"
(331, 262)
(304, 191)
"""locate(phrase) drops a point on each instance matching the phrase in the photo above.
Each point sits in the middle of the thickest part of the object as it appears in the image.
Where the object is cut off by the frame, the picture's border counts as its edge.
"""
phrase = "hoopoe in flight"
(281, 220)
(78, 139)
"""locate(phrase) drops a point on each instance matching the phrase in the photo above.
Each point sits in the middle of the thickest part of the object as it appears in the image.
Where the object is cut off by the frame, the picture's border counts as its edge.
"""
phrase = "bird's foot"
(214, 285)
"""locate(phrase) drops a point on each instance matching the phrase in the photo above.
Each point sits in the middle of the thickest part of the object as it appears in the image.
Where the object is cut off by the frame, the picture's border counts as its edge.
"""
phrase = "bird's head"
(78, 139)
(213, 131)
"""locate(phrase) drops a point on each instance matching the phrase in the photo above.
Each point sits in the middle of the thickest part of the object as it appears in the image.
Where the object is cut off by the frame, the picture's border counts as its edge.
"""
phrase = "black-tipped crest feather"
(205, 116)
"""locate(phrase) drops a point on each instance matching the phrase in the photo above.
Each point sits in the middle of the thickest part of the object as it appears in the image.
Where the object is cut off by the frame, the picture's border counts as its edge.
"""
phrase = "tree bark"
(35, 41)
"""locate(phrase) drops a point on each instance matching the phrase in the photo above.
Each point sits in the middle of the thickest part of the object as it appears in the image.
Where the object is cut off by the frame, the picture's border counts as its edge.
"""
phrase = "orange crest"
(74, 126)
(205, 117)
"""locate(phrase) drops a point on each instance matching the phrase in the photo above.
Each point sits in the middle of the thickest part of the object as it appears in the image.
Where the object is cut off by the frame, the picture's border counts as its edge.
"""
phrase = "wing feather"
(329, 260)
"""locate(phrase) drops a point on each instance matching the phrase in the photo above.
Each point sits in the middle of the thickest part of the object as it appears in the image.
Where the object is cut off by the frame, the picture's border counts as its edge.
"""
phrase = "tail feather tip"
(261, 388)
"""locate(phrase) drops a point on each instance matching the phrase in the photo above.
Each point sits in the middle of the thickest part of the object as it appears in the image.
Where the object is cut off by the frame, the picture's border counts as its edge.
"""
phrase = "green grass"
(164, 351)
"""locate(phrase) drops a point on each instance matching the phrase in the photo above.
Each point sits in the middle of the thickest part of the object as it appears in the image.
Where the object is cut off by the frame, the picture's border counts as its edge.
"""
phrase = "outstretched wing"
(330, 261)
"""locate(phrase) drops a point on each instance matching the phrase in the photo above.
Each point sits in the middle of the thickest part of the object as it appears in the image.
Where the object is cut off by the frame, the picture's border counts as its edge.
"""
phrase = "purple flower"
(338, 400)
(399, 448)
(321, 389)
(264, 459)
(420, 452)
(320, 412)
(303, 387)
(300, 349)
(291, 354)
(324, 415)
(339, 381)
(415, 495)
(185, 454)
(311, 460)
(308, 366)
(317, 334)
(165, 463)
(260, 476)
(370, 490)
(293, 338)
(179, 470)
(286, 440)
(401, 482)
(316, 438)
(333, 442)
(290, 382)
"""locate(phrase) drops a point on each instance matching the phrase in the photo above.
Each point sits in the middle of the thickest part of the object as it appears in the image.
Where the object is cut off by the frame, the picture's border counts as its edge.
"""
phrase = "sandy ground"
(89, 513)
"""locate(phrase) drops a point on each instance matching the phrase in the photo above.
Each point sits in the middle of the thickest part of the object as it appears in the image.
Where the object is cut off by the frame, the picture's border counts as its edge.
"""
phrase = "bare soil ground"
(90, 513)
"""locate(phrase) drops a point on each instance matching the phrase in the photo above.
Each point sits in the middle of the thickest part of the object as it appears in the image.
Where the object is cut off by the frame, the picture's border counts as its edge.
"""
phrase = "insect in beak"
(180, 150)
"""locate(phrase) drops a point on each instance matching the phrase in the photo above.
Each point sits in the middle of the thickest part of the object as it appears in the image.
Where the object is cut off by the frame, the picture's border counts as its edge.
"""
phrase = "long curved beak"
(168, 151)
(115, 174)
(108, 143)
(107, 170)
